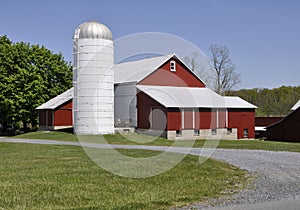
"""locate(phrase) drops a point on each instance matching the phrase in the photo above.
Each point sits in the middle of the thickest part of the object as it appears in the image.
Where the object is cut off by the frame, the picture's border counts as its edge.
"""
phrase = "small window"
(178, 133)
(196, 132)
(245, 132)
(214, 131)
(229, 130)
(172, 66)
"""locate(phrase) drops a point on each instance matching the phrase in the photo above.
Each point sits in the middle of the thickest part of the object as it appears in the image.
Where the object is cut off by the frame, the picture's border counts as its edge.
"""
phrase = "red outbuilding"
(161, 95)
(287, 129)
(57, 112)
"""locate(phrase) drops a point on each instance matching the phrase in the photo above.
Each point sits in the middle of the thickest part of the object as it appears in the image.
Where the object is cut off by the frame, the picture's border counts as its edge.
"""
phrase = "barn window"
(245, 132)
(172, 66)
(178, 133)
(196, 132)
(214, 131)
(229, 130)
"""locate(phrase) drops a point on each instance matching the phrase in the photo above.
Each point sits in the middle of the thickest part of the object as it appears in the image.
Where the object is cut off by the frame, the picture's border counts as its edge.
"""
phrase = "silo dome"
(92, 29)
(93, 79)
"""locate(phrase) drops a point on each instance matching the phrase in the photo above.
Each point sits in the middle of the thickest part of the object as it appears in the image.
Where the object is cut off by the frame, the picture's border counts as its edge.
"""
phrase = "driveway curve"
(276, 186)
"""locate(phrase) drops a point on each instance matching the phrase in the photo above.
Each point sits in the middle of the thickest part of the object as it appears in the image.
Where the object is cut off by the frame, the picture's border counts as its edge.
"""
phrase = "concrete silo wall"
(93, 86)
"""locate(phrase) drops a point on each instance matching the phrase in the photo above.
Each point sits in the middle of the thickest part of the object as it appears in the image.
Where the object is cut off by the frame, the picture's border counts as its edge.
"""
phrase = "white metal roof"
(135, 71)
(58, 100)
(169, 96)
(237, 102)
(187, 97)
(296, 105)
(183, 97)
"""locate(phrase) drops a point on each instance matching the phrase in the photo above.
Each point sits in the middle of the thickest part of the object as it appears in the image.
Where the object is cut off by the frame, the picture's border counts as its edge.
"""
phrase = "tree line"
(29, 76)
(275, 102)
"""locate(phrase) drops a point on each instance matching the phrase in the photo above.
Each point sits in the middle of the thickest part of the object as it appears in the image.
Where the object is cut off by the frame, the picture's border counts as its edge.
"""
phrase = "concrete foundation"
(220, 133)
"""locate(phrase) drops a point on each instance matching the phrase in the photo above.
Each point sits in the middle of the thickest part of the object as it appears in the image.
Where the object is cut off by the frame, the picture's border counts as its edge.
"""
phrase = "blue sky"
(262, 35)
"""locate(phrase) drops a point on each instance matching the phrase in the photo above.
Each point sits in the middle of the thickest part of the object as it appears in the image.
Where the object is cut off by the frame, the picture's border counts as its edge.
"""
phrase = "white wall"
(93, 81)
(125, 105)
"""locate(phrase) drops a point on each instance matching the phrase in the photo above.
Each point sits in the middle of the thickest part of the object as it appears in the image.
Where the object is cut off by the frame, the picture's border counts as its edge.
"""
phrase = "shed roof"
(237, 102)
(187, 97)
(169, 96)
(296, 106)
(58, 100)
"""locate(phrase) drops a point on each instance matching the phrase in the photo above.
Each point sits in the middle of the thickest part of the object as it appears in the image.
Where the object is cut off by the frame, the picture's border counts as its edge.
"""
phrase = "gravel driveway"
(277, 183)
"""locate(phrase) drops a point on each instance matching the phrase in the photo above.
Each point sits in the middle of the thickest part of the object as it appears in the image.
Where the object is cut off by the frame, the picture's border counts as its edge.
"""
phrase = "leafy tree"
(271, 102)
(29, 76)
(6, 62)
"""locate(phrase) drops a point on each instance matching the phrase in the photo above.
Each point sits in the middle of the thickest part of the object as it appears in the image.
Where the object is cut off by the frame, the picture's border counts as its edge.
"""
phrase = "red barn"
(261, 124)
(57, 112)
(288, 128)
(161, 95)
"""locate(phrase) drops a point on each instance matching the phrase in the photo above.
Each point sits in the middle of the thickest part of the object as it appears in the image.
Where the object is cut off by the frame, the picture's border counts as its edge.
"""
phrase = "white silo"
(93, 79)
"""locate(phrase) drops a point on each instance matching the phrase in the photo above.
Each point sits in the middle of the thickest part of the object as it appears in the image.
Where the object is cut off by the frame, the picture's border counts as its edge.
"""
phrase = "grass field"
(141, 139)
(63, 177)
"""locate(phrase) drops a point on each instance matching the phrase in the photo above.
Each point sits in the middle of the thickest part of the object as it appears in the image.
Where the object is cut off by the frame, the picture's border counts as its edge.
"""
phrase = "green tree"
(271, 102)
(29, 76)
(6, 102)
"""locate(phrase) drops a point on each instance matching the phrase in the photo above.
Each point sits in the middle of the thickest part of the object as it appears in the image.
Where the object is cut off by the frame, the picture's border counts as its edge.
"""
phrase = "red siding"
(266, 121)
(287, 129)
(181, 78)
(197, 119)
(174, 119)
(188, 119)
(241, 119)
(276, 132)
(205, 118)
(222, 118)
(45, 117)
(42, 117)
(145, 105)
(63, 115)
(50, 117)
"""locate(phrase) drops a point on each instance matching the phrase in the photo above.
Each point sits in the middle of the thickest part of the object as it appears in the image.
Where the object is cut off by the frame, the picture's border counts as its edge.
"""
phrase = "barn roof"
(58, 100)
(135, 71)
(169, 96)
(187, 97)
(237, 102)
(296, 106)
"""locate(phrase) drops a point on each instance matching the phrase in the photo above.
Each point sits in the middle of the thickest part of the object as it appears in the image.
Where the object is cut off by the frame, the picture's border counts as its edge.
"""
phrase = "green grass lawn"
(141, 139)
(63, 177)
(49, 135)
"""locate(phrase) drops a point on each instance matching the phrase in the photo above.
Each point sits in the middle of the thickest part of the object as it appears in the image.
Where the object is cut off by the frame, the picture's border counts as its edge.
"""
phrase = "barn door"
(158, 119)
